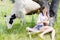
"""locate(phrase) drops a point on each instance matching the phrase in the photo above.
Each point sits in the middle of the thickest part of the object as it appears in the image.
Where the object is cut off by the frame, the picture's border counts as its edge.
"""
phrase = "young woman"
(42, 24)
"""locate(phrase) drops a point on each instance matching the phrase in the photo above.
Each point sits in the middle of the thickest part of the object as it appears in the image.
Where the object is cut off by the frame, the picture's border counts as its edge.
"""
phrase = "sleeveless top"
(41, 17)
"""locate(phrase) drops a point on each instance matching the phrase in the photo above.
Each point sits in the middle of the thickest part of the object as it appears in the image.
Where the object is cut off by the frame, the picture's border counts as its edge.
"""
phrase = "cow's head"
(9, 20)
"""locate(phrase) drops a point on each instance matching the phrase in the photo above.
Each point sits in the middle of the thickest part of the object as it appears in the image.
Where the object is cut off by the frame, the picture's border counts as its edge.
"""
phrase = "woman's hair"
(41, 9)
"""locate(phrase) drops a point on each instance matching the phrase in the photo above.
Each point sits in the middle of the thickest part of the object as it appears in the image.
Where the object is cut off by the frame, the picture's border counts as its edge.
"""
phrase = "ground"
(18, 31)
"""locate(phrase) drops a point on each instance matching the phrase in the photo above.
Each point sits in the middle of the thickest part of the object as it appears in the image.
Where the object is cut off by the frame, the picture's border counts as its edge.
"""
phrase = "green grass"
(18, 32)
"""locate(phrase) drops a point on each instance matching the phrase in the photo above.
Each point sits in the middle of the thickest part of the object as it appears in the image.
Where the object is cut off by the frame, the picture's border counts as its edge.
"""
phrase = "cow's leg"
(22, 13)
(22, 18)
(10, 20)
(53, 11)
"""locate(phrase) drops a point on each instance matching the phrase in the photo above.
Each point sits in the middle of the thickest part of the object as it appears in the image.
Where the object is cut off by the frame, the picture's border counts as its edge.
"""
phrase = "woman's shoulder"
(40, 13)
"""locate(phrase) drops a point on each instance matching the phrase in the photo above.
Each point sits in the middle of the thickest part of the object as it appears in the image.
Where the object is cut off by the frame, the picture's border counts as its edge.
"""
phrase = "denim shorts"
(38, 27)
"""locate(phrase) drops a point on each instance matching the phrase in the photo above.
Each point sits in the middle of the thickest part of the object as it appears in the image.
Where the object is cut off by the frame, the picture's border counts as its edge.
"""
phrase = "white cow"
(21, 8)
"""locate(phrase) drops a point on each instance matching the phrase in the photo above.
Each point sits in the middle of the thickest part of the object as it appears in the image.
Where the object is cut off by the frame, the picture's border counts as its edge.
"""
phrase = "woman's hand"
(46, 23)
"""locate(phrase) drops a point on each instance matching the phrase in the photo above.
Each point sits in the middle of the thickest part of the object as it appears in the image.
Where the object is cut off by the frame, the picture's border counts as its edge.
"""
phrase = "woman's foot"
(28, 29)
(41, 36)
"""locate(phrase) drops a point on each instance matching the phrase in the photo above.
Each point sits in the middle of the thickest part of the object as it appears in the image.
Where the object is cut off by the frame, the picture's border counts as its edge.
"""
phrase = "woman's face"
(45, 10)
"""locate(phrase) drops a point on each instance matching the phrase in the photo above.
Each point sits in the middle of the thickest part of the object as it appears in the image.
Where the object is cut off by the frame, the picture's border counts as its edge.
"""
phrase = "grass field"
(18, 32)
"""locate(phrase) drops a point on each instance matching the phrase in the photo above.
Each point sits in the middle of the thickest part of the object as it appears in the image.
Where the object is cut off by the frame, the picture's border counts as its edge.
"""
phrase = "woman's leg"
(44, 32)
(34, 30)
(47, 30)
(53, 34)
